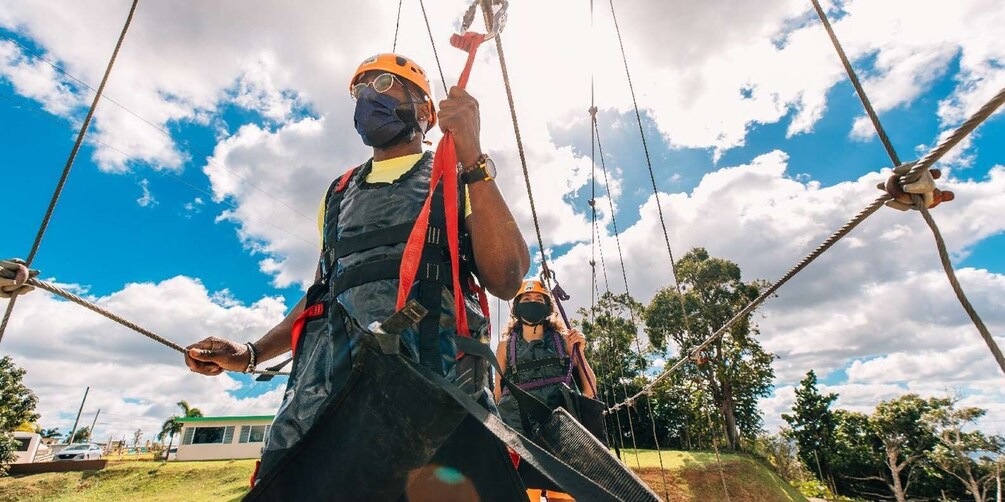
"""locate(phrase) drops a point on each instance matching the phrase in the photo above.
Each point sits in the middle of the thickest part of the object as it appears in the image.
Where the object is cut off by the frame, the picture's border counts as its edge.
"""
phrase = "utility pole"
(90, 432)
(75, 422)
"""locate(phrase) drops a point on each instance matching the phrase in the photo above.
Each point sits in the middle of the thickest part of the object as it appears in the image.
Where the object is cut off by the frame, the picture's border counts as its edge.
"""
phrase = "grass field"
(690, 476)
(695, 476)
(136, 481)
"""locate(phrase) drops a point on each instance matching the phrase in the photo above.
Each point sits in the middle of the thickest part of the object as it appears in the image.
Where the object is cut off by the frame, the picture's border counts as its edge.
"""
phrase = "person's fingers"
(203, 368)
(209, 350)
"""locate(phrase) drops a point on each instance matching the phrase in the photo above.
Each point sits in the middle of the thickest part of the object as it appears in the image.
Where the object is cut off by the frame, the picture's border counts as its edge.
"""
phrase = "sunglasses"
(381, 84)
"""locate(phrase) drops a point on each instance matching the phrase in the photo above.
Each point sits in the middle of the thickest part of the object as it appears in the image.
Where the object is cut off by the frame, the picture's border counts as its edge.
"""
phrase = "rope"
(953, 139)
(923, 165)
(858, 85)
(523, 157)
(624, 275)
(642, 134)
(397, 25)
(951, 274)
(56, 290)
(830, 241)
(69, 161)
(926, 162)
(436, 55)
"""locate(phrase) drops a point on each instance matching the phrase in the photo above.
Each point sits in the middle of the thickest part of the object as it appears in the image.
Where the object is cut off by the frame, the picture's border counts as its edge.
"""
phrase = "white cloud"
(37, 80)
(722, 68)
(134, 381)
(147, 199)
(877, 302)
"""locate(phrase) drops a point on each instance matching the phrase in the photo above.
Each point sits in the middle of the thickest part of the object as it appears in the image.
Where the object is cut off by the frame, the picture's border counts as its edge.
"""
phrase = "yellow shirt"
(386, 171)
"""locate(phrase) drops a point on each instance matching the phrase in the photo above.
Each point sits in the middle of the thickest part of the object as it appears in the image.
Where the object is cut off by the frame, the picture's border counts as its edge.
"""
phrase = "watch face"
(490, 168)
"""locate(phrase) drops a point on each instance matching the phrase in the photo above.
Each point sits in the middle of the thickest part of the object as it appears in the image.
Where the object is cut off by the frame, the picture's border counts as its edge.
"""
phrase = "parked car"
(83, 451)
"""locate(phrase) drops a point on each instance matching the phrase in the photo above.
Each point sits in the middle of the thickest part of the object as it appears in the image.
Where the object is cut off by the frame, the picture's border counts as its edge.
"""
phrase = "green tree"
(735, 368)
(610, 328)
(814, 427)
(17, 406)
(968, 455)
(82, 435)
(173, 426)
(50, 433)
(901, 441)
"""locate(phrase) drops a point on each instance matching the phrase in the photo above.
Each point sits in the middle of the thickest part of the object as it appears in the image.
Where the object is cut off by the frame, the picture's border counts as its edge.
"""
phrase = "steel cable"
(921, 166)
(69, 161)
(56, 290)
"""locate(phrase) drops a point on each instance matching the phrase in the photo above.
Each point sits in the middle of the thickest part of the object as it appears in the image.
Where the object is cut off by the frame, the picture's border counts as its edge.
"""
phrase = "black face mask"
(380, 122)
(532, 313)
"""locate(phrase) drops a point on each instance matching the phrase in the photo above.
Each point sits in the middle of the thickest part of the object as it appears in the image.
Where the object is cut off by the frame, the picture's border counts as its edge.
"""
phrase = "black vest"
(366, 227)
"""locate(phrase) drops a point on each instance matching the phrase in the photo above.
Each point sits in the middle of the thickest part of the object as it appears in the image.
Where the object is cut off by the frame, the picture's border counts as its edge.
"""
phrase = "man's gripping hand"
(459, 115)
(213, 356)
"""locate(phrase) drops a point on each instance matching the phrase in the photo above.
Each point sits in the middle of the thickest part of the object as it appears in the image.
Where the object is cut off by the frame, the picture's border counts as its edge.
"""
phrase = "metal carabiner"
(498, 18)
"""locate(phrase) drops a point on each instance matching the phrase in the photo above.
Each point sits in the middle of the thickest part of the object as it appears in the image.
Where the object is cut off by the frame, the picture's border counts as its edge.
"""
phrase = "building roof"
(246, 418)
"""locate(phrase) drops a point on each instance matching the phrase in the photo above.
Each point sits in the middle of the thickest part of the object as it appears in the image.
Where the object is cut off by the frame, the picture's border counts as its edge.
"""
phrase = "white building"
(219, 438)
(30, 448)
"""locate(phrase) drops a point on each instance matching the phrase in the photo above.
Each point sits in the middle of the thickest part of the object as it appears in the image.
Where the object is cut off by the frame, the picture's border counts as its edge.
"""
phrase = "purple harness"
(541, 382)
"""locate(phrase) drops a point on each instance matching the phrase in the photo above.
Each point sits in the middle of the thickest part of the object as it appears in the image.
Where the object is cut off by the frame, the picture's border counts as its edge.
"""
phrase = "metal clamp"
(498, 17)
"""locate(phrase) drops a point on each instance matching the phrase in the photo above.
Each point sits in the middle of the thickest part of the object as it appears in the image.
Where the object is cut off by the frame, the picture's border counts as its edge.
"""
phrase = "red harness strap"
(445, 168)
(311, 312)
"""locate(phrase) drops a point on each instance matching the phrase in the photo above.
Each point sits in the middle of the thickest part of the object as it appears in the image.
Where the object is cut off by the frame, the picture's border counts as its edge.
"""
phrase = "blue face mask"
(378, 122)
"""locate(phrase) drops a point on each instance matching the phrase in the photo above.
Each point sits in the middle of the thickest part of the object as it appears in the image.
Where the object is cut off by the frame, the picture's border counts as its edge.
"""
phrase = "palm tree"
(173, 426)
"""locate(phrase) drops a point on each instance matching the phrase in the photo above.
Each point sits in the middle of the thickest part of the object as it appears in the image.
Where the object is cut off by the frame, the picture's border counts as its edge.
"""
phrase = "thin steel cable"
(609, 388)
(69, 161)
(830, 241)
(642, 134)
(673, 267)
(624, 275)
(523, 157)
(925, 163)
(921, 166)
(397, 26)
(858, 85)
(947, 265)
(604, 367)
(603, 262)
(593, 243)
(432, 42)
(182, 142)
(56, 290)
(953, 139)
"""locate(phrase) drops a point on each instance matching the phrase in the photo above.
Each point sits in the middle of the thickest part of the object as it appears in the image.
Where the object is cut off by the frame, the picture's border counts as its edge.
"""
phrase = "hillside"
(691, 476)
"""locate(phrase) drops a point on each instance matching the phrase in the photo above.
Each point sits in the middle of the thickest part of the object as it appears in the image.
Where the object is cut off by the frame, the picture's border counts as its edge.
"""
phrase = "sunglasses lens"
(383, 82)
(356, 89)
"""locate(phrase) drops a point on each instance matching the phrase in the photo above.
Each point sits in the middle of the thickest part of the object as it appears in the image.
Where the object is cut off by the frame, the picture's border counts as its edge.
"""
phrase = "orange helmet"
(403, 67)
(532, 286)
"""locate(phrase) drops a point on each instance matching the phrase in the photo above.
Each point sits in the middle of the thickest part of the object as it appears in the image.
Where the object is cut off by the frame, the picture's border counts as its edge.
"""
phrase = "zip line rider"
(537, 353)
(394, 110)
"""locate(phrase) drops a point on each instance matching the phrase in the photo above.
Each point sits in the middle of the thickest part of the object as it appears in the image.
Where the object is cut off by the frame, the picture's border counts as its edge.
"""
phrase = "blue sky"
(102, 238)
